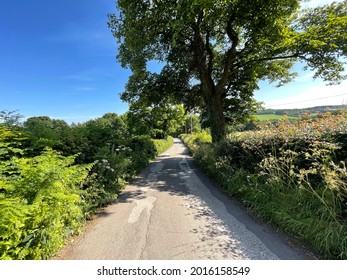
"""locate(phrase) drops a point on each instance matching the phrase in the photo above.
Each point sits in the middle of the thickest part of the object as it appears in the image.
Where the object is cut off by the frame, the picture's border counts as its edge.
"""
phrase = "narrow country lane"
(172, 211)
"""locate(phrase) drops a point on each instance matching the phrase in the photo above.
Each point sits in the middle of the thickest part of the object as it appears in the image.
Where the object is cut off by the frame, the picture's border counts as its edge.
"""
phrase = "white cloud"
(319, 95)
(305, 78)
(84, 88)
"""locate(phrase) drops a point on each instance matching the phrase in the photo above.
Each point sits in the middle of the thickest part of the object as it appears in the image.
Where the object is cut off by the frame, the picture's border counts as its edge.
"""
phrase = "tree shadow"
(221, 231)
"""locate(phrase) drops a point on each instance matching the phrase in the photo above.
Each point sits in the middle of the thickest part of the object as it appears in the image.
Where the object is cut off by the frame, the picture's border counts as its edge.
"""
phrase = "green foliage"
(98, 133)
(12, 141)
(40, 205)
(216, 52)
(45, 196)
(83, 139)
(47, 132)
(292, 174)
(111, 170)
(271, 117)
(114, 166)
(161, 145)
(324, 40)
(191, 125)
(156, 121)
(143, 151)
(196, 139)
(300, 112)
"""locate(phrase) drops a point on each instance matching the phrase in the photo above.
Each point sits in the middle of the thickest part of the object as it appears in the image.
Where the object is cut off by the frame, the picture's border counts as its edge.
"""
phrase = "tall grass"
(291, 174)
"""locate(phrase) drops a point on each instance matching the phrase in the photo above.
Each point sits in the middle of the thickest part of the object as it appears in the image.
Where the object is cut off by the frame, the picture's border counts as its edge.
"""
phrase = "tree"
(191, 124)
(10, 118)
(221, 49)
(41, 127)
(102, 132)
(105, 130)
(53, 133)
(157, 121)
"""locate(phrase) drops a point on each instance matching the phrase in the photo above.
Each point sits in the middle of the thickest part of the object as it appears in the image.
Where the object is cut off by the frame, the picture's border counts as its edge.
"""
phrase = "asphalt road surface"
(172, 211)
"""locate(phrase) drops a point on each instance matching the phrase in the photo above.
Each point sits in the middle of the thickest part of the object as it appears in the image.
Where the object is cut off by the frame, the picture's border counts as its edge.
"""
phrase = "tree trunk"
(212, 93)
(216, 116)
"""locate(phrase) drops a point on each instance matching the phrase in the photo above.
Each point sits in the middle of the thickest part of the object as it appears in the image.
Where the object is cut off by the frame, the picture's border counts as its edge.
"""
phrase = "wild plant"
(40, 205)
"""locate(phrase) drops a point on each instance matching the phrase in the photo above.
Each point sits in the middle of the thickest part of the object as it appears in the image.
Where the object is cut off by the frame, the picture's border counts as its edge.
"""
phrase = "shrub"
(45, 196)
(40, 205)
(292, 174)
(161, 145)
(111, 169)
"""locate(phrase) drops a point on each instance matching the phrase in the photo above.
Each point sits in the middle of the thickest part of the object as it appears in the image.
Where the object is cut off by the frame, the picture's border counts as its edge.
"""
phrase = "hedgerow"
(46, 197)
(161, 145)
(291, 173)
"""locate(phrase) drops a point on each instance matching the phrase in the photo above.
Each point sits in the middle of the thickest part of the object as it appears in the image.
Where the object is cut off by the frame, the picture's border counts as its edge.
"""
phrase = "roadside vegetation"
(213, 56)
(54, 176)
(292, 174)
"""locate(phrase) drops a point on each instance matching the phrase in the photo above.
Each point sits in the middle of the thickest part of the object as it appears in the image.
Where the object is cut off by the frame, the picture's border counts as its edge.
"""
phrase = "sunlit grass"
(272, 117)
(292, 174)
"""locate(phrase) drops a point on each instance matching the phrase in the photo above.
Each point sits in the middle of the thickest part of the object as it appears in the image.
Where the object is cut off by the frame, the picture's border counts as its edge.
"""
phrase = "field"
(271, 117)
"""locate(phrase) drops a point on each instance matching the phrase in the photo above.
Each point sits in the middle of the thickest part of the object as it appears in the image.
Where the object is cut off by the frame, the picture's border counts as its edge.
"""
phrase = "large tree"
(216, 51)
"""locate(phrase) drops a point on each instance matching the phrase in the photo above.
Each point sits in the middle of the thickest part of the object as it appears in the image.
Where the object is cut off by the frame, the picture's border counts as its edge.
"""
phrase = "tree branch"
(230, 54)
(201, 50)
(210, 53)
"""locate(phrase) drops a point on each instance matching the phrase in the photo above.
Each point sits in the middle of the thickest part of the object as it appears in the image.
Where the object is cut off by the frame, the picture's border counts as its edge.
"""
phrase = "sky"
(57, 59)
(304, 91)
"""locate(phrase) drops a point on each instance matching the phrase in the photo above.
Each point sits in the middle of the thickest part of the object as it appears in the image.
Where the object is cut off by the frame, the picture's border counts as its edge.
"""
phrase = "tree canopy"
(216, 51)
(156, 121)
(10, 118)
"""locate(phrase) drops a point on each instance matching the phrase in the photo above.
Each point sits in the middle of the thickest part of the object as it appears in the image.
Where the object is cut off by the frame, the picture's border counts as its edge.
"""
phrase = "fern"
(42, 206)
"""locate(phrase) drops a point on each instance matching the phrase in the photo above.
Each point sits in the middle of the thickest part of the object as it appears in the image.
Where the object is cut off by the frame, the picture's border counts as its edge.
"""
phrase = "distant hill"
(299, 112)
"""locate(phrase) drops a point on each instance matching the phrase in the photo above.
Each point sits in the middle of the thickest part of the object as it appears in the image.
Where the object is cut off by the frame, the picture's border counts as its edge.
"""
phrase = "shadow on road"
(222, 226)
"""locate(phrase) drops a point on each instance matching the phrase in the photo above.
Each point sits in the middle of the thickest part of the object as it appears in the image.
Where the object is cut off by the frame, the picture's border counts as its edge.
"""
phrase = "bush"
(161, 145)
(292, 174)
(115, 165)
(195, 140)
(111, 170)
(144, 149)
(40, 205)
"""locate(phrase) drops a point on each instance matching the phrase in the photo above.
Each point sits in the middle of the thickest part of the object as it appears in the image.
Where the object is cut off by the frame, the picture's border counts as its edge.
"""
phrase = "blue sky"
(57, 59)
